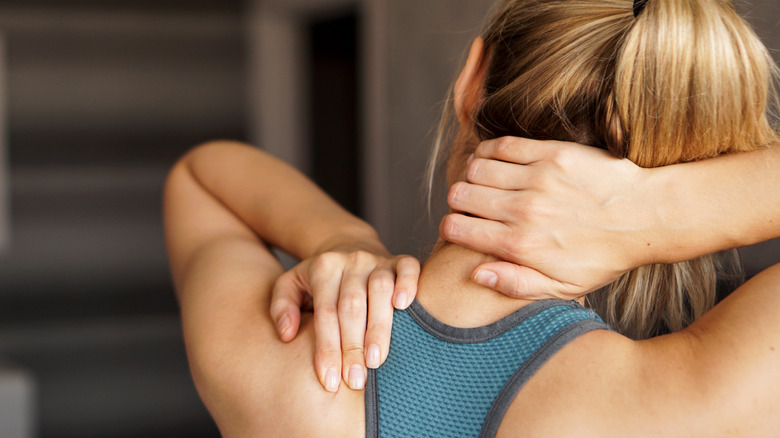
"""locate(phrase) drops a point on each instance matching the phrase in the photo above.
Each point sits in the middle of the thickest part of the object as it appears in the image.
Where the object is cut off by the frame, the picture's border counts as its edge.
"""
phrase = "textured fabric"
(442, 381)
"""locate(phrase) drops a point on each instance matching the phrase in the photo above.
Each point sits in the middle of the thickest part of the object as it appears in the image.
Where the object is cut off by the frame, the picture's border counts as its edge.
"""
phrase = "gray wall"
(426, 44)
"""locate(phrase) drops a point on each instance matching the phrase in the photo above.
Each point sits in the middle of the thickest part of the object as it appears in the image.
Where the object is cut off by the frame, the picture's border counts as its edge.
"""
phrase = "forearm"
(711, 205)
(280, 204)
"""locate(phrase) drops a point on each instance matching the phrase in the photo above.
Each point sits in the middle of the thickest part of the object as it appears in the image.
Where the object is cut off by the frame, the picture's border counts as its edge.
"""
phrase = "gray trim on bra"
(529, 368)
(476, 335)
(372, 406)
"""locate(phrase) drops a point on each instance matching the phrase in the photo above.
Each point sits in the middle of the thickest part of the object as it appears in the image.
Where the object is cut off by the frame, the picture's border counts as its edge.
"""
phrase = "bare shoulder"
(603, 384)
(295, 404)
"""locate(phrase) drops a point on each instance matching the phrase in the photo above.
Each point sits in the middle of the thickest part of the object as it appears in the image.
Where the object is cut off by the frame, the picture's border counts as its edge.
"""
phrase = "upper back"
(448, 381)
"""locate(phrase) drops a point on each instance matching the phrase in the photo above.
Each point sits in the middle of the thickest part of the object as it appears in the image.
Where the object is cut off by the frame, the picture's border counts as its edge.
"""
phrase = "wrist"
(355, 237)
(681, 218)
(657, 195)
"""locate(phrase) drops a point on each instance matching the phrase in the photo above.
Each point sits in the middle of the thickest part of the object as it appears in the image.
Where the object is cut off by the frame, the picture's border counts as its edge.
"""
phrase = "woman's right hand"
(353, 294)
(570, 218)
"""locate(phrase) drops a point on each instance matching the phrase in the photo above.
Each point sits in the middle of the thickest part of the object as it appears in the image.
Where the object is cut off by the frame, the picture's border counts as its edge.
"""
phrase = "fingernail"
(486, 278)
(284, 323)
(400, 300)
(357, 377)
(372, 356)
(332, 380)
(471, 158)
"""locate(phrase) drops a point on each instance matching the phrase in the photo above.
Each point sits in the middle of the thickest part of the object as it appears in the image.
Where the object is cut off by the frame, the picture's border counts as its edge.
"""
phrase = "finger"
(326, 279)
(484, 235)
(475, 233)
(380, 316)
(514, 150)
(485, 202)
(353, 312)
(499, 174)
(520, 282)
(287, 298)
(407, 277)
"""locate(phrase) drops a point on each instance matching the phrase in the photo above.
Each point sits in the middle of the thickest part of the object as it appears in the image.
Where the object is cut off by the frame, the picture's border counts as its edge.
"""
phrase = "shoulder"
(602, 384)
(295, 404)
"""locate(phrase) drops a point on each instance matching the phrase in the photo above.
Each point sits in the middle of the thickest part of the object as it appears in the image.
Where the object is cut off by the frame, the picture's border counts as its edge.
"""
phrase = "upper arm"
(193, 218)
(251, 382)
(719, 377)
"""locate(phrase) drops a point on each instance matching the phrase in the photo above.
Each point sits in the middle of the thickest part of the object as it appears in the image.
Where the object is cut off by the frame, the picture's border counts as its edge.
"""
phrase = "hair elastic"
(639, 6)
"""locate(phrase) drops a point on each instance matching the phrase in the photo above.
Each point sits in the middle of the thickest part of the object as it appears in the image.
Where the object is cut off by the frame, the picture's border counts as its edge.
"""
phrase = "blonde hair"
(683, 81)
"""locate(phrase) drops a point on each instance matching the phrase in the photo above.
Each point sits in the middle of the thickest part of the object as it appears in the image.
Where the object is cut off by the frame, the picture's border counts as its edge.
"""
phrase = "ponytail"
(678, 81)
(691, 82)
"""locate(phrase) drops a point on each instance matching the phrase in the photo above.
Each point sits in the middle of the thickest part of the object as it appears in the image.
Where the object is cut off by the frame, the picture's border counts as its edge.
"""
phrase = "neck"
(447, 291)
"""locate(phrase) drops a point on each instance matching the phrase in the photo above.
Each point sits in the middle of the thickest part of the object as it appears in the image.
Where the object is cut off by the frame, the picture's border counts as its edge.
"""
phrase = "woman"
(706, 378)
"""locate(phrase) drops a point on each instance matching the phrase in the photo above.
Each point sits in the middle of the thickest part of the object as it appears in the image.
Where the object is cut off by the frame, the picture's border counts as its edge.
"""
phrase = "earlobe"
(468, 87)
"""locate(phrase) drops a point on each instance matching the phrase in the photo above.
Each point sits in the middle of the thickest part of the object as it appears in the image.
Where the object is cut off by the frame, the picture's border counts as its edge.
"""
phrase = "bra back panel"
(443, 381)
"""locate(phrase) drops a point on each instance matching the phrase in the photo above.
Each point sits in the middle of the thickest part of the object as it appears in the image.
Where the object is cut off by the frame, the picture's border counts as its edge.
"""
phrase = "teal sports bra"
(443, 381)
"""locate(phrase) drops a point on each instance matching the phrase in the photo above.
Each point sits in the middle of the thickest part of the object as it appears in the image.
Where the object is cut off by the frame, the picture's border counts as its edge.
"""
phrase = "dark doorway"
(335, 136)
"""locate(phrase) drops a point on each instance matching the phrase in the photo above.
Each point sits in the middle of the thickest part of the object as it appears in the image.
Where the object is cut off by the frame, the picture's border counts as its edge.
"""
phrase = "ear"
(468, 88)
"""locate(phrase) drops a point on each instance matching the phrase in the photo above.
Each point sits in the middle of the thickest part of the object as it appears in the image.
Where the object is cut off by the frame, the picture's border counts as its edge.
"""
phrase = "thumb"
(286, 300)
(517, 281)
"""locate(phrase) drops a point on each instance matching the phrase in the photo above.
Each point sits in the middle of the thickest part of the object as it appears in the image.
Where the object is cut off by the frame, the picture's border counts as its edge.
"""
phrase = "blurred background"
(97, 100)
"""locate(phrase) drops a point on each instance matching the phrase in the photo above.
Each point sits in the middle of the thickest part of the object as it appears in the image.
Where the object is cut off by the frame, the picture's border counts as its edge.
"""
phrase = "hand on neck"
(447, 291)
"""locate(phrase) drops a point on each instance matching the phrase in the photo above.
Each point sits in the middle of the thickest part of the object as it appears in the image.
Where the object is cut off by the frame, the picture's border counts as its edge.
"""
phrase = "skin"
(571, 218)
(716, 378)
(219, 184)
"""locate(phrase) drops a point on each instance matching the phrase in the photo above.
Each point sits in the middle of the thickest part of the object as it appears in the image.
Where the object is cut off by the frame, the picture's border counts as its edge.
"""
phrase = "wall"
(423, 48)
(102, 98)
(426, 43)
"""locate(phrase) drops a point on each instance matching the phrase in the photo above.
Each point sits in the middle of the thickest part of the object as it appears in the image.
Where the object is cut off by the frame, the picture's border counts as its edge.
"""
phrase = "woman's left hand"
(353, 294)
(566, 218)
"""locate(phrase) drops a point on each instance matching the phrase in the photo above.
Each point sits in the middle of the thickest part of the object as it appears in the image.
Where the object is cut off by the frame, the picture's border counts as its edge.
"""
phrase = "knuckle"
(380, 282)
(360, 257)
(328, 261)
(457, 192)
(327, 357)
(556, 155)
(352, 306)
(508, 249)
(505, 251)
(511, 288)
(379, 328)
(515, 208)
(449, 227)
(330, 352)
(352, 350)
(326, 315)
(473, 169)
(533, 206)
(408, 263)
(504, 146)
(546, 181)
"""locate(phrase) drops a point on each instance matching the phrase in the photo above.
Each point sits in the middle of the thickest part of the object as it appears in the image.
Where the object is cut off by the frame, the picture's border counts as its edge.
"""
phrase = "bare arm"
(710, 205)
(717, 378)
(235, 356)
(275, 201)
(224, 276)
(346, 272)
(573, 217)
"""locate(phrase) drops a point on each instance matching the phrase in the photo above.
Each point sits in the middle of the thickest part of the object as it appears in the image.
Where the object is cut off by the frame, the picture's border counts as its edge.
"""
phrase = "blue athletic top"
(440, 380)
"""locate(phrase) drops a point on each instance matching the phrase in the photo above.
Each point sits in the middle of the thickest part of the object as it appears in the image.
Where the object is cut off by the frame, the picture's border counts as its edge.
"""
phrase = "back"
(441, 380)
